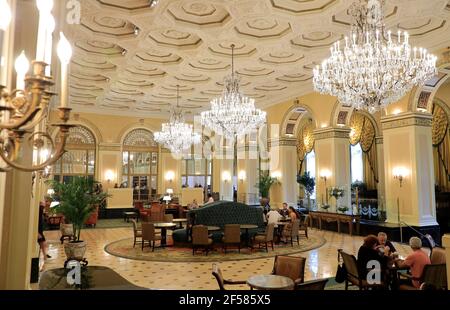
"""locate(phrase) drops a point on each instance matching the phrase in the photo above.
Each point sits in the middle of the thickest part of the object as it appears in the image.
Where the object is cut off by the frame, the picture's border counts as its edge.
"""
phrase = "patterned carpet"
(124, 248)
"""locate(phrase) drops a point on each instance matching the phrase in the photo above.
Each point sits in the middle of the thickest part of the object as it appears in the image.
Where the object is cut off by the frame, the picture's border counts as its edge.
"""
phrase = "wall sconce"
(50, 192)
(109, 175)
(242, 175)
(400, 173)
(170, 175)
(169, 191)
(325, 174)
(396, 111)
(226, 177)
(276, 175)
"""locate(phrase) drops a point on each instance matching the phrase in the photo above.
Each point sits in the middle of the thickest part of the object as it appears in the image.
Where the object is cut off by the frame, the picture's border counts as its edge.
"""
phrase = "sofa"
(220, 213)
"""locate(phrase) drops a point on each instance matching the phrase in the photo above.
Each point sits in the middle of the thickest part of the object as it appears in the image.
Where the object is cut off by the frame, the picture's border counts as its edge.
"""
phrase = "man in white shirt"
(273, 216)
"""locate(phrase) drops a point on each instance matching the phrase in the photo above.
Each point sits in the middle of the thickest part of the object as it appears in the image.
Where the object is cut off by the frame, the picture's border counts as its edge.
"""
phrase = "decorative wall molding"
(379, 140)
(116, 147)
(406, 120)
(331, 133)
(284, 141)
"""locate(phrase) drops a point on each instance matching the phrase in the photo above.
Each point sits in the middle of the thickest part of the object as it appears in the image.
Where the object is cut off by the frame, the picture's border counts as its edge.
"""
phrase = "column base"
(34, 276)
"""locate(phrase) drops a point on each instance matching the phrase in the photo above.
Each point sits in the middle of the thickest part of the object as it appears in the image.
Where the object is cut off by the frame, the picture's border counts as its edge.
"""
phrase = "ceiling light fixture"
(176, 135)
(372, 69)
(233, 114)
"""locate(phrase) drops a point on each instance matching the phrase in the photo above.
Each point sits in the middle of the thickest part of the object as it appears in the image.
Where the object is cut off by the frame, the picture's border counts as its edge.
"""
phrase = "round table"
(180, 222)
(164, 227)
(270, 282)
(213, 228)
(247, 236)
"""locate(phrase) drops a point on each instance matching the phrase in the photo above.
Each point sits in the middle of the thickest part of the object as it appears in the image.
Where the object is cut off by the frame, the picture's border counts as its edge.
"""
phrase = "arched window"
(79, 160)
(357, 165)
(311, 168)
(140, 164)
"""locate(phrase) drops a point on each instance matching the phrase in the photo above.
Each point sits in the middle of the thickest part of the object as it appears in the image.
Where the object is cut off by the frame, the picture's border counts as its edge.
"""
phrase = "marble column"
(283, 166)
(380, 170)
(407, 145)
(332, 150)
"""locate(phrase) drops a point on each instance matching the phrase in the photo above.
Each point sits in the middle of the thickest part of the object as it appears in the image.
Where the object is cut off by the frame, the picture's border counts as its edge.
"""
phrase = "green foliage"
(265, 182)
(362, 187)
(78, 199)
(307, 182)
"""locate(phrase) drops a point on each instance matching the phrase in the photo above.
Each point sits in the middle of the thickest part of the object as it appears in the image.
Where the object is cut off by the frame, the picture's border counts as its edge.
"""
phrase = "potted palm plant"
(77, 200)
(308, 184)
(264, 184)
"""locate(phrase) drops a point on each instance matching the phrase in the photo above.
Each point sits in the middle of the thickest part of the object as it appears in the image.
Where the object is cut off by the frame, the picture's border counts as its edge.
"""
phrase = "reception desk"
(120, 198)
(339, 218)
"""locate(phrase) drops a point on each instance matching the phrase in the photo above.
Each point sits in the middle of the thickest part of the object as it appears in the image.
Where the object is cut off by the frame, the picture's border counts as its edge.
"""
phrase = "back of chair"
(135, 228)
(200, 235)
(315, 285)
(435, 274)
(295, 228)
(148, 231)
(232, 233)
(438, 256)
(157, 212)
(305, 222)
(350, 263)
(218, 275)
(290, 266)
(269, 231)
(168, 218)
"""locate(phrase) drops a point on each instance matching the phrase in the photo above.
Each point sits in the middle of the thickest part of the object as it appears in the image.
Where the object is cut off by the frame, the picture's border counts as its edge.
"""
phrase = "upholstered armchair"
(353, 277)
(217, 273)
(149, 234)
(313, 285)
(304, 226)
(157, 212)
(434, 274)
(232, 236)
(92, 220)
(200, 238)
(290, 266)
(266, 237)
(137, 233)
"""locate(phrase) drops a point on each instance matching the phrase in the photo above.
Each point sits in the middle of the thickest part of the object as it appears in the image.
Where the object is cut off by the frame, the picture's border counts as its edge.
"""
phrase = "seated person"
(193, 205)
(210, 199)
(284, 211)
(367, 252)
(273, 216)
(288, 227)
(416, 261)
(384, 243)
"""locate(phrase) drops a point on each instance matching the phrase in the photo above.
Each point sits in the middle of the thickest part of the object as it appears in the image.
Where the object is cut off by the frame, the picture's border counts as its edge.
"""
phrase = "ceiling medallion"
(373, 69)
(176, 135)
(233, 114)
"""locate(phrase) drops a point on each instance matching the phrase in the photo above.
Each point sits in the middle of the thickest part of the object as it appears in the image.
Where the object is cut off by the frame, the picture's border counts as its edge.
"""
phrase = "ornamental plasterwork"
(331, 133)
(411, 120)
(282, 142)
(440, 125)
(141, 138)
(116, 147)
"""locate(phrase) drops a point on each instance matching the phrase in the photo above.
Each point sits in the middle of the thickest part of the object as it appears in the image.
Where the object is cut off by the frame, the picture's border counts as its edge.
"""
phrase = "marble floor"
(320, 263)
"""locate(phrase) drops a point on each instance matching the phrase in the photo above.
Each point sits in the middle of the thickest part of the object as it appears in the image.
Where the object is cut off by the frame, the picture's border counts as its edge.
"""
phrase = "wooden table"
(213, 228)
(336, 217)
(270, 282)
(247, 235)
(180, 221)
(164, 227)
(130, 214)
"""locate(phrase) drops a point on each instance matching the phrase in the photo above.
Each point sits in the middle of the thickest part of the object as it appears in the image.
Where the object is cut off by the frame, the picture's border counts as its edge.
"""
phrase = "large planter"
(264, 201)
(75, 250)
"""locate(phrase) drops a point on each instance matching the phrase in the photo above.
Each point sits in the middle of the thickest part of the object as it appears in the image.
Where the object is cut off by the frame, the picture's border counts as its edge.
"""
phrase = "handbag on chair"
(341, 272)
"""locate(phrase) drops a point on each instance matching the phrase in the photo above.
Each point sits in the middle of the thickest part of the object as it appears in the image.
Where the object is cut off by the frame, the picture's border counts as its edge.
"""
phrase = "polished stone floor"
(320, 263)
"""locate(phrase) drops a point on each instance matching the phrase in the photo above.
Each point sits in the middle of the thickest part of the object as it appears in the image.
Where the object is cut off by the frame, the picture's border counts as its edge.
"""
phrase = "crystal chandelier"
(233, 114)
(176, 135)
(373, 69)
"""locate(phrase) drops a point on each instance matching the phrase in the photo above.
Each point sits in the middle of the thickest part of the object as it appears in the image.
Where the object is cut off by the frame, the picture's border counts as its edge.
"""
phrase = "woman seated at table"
(369, 252)
(288, 227)
(193, 205)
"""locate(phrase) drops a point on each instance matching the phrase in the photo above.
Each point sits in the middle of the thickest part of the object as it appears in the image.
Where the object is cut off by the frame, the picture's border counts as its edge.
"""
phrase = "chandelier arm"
(53, 158)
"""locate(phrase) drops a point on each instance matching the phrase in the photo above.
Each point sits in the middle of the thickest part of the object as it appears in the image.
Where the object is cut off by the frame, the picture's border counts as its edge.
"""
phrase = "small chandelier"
(177, 135)
(372, 70)
(233, 114)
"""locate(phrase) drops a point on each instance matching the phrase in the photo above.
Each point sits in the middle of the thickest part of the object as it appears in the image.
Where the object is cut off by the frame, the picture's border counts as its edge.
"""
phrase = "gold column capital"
(406, 120)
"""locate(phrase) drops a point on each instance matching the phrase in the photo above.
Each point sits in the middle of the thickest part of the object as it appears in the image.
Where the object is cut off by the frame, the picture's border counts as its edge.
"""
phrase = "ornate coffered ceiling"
(129, 56)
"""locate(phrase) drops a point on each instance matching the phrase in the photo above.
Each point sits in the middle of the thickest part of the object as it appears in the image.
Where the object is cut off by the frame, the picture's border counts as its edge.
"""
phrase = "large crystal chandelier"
(176, 135)
(372, 69)
(233, 114)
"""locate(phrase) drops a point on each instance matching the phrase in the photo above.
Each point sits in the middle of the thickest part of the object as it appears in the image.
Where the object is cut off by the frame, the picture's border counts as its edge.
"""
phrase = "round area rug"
(124, 248)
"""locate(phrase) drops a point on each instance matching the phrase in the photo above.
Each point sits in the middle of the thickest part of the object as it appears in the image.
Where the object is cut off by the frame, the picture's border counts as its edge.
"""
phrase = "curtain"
(441, 148)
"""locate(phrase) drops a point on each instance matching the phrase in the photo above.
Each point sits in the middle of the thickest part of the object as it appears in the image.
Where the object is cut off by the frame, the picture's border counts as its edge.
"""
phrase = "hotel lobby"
(206, 145)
